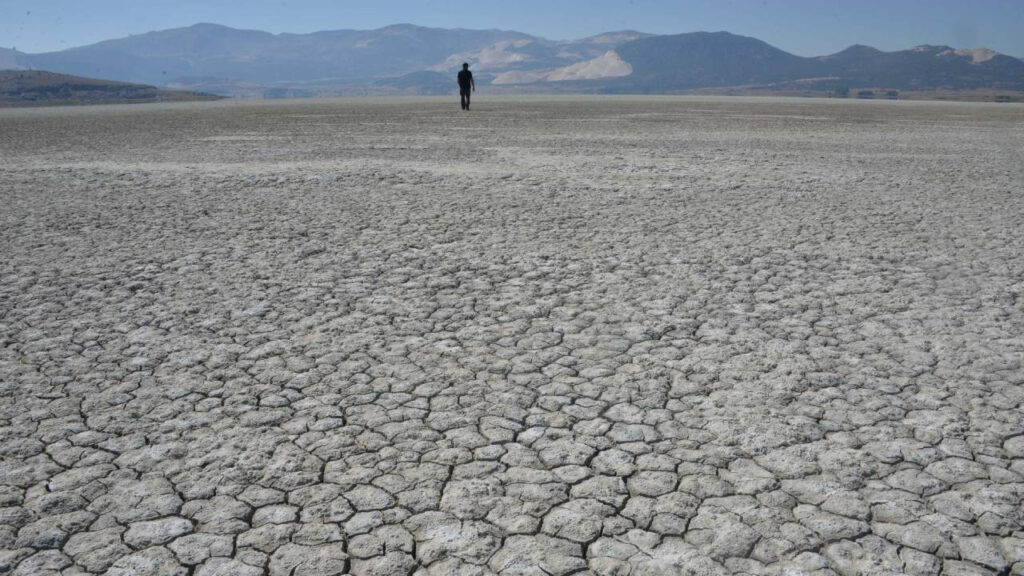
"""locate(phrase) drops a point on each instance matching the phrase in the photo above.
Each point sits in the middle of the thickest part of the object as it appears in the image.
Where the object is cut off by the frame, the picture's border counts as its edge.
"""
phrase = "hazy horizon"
(798, 26)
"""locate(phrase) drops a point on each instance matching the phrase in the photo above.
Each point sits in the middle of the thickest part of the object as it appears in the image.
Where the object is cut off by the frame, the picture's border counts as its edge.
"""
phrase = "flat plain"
(613, 336)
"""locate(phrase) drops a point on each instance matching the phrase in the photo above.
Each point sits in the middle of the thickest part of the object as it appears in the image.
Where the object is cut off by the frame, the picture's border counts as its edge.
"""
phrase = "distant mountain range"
(19, 88)
(413, 59)
(699, 60)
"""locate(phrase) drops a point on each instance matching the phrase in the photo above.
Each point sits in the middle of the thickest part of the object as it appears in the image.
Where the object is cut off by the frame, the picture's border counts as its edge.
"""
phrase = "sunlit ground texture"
(619, 336)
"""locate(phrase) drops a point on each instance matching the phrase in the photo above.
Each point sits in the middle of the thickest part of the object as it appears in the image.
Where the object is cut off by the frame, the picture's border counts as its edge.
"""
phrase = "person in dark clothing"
(466, 85)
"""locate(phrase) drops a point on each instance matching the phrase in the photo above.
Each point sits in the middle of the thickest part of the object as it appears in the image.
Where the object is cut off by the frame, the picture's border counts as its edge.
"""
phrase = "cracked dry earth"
(616, 336)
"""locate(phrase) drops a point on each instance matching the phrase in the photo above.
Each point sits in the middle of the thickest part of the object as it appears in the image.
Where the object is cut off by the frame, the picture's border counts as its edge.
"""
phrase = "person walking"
(466, 85)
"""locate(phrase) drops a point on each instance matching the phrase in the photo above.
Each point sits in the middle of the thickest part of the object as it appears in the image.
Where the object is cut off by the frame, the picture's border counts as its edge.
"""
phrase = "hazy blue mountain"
(925, 67)
(251, 56)
(10, 60)
(413, 59)
(704, 59)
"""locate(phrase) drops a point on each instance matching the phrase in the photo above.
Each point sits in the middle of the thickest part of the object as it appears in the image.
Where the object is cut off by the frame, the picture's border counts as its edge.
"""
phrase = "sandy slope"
(674, 335)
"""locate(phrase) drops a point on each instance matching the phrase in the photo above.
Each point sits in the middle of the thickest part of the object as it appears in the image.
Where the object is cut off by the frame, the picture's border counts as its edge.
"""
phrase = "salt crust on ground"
(552, 336)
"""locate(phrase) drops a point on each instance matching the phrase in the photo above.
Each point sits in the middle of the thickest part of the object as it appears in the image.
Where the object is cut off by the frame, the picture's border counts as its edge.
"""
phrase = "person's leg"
(467, 99)
(462, 98)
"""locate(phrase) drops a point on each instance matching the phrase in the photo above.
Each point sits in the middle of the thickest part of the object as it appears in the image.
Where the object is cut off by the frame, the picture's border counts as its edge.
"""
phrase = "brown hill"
(38, 88)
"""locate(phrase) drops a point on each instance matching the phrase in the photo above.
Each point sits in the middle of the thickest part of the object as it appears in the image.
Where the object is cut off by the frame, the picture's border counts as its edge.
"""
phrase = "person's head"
(465, 66)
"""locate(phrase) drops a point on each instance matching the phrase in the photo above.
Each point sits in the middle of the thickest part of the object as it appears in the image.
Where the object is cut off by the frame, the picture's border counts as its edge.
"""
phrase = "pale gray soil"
(609, 336)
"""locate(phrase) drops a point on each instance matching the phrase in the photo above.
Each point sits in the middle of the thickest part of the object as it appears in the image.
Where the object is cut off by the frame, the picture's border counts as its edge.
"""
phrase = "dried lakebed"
(551, 336)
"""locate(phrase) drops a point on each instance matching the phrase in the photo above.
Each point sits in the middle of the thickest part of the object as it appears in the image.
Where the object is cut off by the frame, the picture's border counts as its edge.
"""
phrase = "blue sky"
(804, 27)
